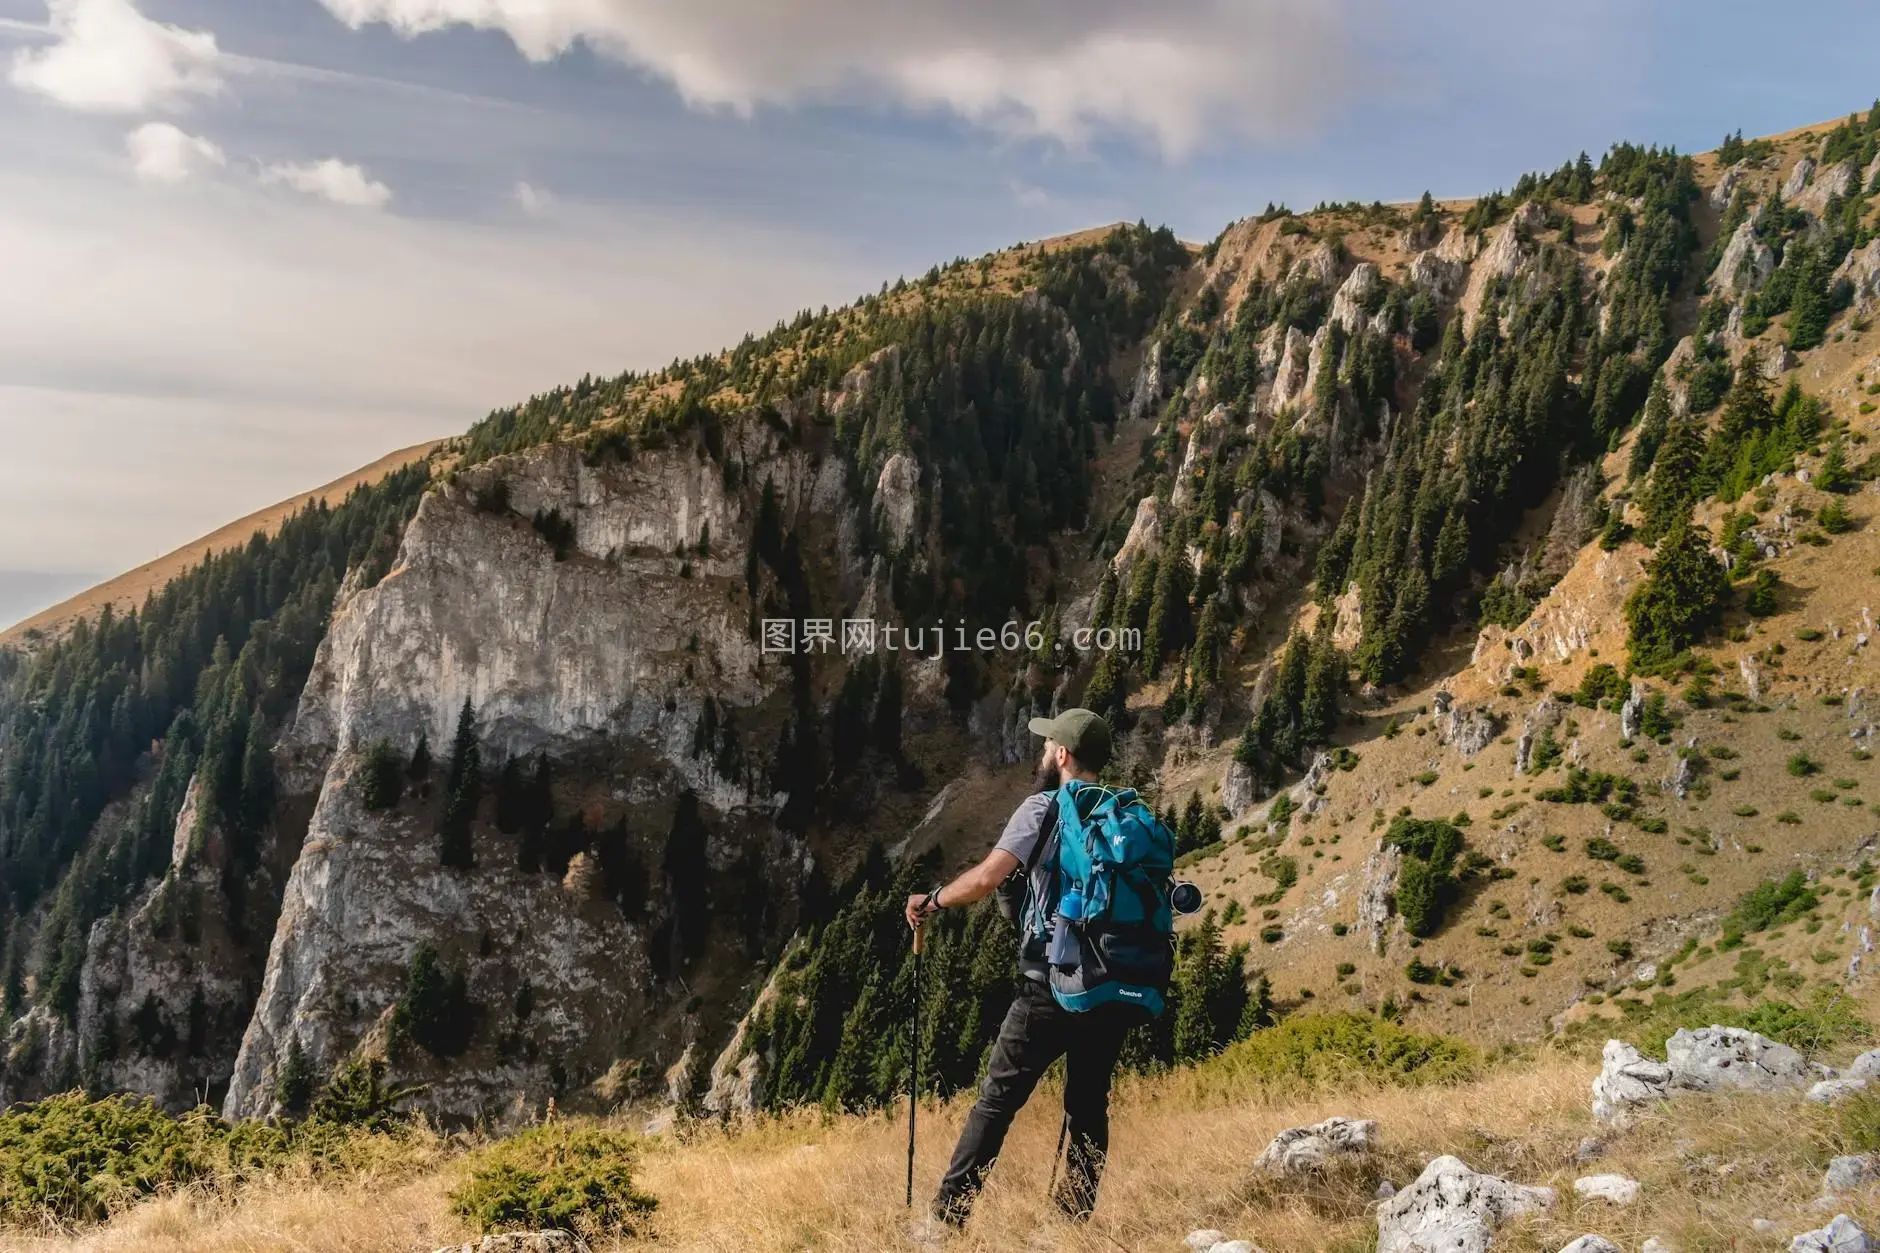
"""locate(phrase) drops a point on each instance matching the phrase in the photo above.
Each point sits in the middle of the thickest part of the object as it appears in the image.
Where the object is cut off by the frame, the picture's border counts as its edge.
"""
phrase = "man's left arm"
(972, 885)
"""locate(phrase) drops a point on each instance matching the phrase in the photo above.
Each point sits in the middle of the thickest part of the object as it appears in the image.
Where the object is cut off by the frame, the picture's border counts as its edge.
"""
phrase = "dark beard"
(1047, 779)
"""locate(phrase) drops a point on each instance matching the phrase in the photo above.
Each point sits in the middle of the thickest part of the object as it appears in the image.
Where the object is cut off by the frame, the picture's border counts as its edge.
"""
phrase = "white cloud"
(342, 182)
(106, 57)
(1171, 72)
(533, 200)
(161, 153)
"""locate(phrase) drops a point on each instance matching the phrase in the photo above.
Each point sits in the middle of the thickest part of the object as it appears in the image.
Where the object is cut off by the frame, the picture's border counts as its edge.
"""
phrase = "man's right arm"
(1021, 835)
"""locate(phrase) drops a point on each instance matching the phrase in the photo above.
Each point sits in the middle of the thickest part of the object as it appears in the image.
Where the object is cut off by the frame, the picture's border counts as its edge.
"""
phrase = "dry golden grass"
(365, 1214)
(1183, 1147)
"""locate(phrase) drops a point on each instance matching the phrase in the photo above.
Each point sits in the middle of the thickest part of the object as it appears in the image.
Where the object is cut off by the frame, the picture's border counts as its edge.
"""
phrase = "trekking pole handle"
(920, 935)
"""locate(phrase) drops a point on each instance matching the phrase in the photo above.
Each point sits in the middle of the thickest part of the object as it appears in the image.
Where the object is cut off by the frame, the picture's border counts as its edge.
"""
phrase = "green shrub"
(1602, 682)
(1801, 765)
(1328, 1050)
(70, 1160)
(1823, 1021)
(563, 1176)
(75, 1161)
(1774, 903)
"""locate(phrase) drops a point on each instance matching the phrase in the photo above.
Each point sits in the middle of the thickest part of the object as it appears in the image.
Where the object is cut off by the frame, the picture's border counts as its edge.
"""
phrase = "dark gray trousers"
(1036, 1032)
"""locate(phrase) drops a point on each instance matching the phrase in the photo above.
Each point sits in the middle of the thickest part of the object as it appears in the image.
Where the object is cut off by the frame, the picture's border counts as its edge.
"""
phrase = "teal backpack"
(1113, 867)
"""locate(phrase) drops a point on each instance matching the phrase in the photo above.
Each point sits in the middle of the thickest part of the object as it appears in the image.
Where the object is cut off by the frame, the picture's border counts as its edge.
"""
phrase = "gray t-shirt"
(1022, 832)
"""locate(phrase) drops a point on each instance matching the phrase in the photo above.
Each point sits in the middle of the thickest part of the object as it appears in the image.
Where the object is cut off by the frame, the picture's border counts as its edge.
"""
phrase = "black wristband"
(932, 902)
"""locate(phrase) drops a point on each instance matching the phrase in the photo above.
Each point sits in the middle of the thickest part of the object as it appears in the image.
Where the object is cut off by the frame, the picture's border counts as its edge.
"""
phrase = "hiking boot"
(930, 1231)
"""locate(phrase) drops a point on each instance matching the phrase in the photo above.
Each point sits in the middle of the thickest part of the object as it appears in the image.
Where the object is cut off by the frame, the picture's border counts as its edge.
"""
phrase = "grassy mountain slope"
(129, 590)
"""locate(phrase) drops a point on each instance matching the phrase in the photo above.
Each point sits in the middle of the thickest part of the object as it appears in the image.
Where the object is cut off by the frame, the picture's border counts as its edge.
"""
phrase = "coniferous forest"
(129, 708)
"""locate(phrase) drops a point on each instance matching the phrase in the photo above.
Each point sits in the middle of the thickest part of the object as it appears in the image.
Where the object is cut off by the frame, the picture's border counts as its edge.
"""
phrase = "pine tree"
(1188, 830)
(887, 714)
(535, 814)
(1404, 631)
(1674, 482)
(1833, 475)
(293, 1087)
(1682, 598)
(1334, 560)
(1169, 619)
(1104, 693)
(1204, 661)
(1760, 601)
(464, 786)
(258, 785)
(687, 874)
(1450, 562)
(382, 779)
(435, 1010)
(1809, 303)
(1325, 683)
(419, 768)
(1652, 429)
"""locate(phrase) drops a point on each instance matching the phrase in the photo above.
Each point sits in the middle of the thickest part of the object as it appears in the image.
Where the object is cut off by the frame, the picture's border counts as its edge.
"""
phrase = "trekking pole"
(1064, 1129)
(913, 1070)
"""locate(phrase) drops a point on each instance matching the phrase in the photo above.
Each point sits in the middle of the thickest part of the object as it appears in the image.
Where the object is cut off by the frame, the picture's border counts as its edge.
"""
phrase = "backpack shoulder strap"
(1044, 833)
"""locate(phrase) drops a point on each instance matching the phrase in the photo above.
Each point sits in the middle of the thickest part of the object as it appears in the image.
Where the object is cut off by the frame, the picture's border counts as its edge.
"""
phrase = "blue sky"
(250, 244)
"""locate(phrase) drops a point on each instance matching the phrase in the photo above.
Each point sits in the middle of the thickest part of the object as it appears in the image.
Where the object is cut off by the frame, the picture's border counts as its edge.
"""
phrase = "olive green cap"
(1084, 734)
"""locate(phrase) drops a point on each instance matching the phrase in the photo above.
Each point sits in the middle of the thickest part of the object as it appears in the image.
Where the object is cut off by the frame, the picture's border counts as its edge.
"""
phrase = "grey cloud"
(1173, 71)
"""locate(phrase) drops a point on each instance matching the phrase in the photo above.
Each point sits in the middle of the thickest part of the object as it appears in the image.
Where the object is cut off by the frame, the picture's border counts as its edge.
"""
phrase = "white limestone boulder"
(1627, 1078)
(1721, 1059)
(1453, 1209)
(1303, 1150)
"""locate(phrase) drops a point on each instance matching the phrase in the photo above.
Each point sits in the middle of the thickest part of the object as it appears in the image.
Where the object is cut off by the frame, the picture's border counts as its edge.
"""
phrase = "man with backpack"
(1084, 872)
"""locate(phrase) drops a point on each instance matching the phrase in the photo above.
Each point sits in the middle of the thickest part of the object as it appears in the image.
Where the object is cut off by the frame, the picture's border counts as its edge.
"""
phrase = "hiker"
(1039, 1028)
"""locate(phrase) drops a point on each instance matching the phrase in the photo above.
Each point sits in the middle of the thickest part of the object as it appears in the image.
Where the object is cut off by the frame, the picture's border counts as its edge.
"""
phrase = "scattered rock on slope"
(1591, 1244)
(1614, 1188)
(1453, 1209)
(1716, 1059)
(1831, 182)
(1468, 731)
(1301, 1150)
(1849, 1174)
(1746, 264)
(1798, 178)
(1842, 1235)
(1374, 899)
(1709, 1059)
(1627, 1077)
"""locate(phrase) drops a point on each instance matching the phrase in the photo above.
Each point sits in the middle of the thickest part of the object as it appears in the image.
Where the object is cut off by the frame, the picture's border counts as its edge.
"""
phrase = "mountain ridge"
(1366, 417)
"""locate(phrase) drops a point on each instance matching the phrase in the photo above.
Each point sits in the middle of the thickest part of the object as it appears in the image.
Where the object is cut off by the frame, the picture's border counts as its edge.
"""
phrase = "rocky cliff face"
(606, 655)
